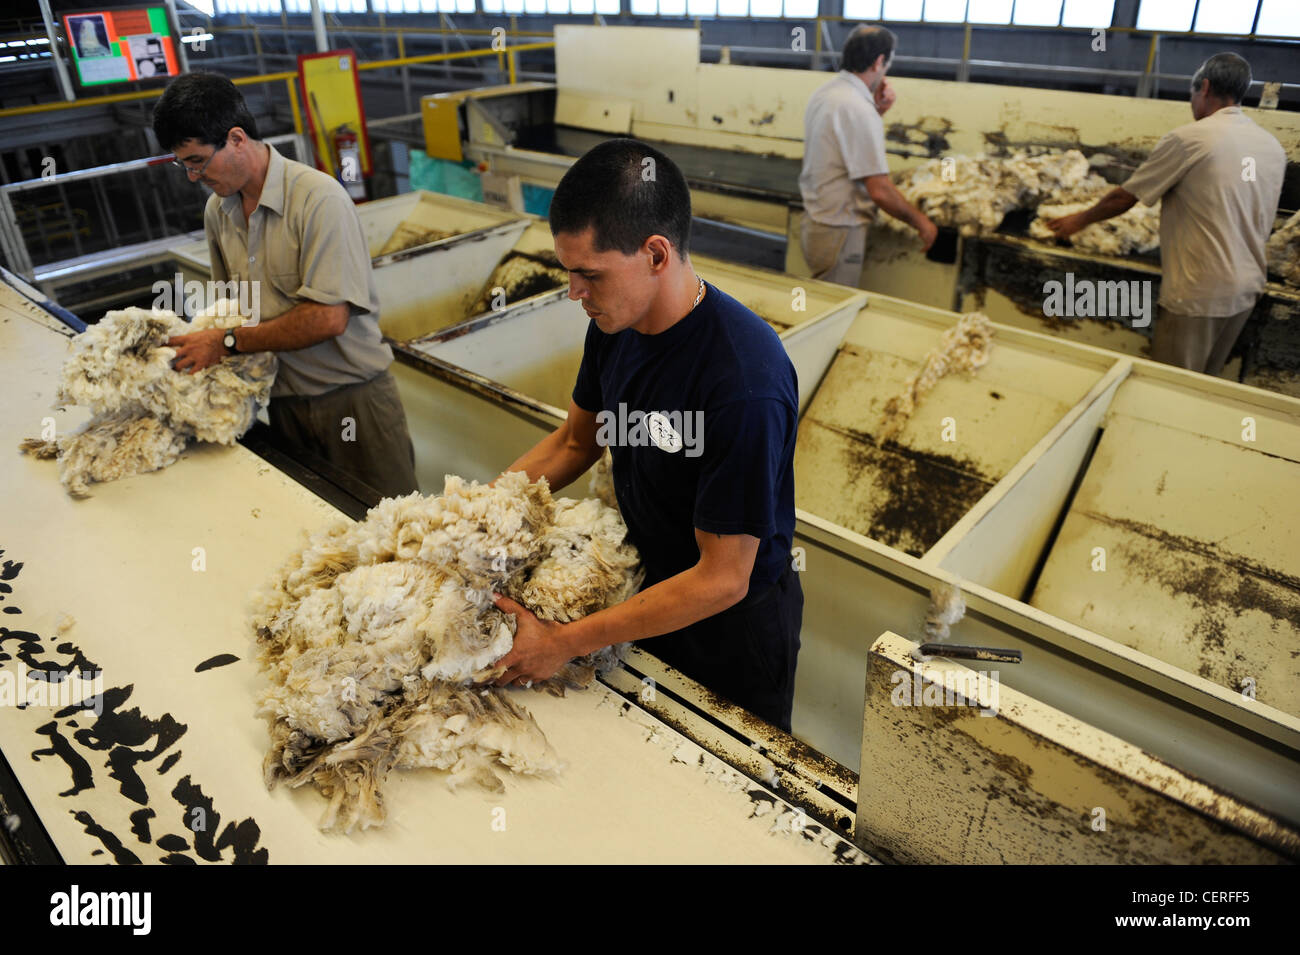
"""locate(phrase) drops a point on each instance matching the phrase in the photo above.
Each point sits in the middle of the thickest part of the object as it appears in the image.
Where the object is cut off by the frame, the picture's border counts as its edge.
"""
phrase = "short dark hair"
(1229, 76)
(624, 198)
(864, 45)
(201, 106)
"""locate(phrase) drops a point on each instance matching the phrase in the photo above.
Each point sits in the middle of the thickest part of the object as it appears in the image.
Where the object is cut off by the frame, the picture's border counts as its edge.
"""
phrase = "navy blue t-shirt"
(700, 420)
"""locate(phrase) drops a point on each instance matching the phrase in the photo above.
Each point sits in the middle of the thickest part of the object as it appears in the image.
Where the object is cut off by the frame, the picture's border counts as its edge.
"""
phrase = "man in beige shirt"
(294, 232)
(1220, 179)
(844, 175)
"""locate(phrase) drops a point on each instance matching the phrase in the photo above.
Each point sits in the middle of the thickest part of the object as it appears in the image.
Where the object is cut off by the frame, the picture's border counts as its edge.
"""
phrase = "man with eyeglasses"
(294, 231)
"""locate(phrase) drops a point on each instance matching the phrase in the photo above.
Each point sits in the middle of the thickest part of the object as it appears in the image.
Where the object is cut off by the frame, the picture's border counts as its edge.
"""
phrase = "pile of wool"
(975, 195)
(966, 346)
(519, 276)
(1137, 231)
(410, 235)
(376, 637)
(144, 412)
(1284, 251)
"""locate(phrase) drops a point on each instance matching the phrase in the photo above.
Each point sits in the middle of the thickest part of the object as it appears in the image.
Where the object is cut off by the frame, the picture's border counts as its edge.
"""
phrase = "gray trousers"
(360, 429)
(1196, 341)
(833, 252)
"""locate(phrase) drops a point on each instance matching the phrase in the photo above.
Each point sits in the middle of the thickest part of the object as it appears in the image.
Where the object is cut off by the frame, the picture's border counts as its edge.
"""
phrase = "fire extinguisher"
(347, 156)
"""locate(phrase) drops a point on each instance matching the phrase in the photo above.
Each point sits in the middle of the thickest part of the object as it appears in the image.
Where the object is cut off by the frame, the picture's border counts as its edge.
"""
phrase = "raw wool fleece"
(519, 276)
(601, 485)
(1283, 251)
(964, 347)
(143, 411)
(1137, 231)
(976, 194)
(375, 636)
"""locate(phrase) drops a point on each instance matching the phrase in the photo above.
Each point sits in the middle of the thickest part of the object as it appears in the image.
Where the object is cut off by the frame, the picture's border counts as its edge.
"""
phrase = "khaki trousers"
(833, 252)
(1196, 342)
(360, 429)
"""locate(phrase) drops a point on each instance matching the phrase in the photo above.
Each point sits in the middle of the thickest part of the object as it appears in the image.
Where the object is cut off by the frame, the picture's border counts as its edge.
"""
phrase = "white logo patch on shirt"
(662, 433)
(669, 431)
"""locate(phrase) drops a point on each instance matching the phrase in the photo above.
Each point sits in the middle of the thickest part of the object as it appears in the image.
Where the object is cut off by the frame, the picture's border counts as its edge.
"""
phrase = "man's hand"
(928, 232)
(539, 649)
(885, 194)
(885, 97)
(1066, 226)
(1114, 203)
(198, 350)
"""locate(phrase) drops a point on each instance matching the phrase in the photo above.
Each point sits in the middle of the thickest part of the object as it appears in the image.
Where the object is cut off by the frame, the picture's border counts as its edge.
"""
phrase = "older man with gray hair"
(1220, 178)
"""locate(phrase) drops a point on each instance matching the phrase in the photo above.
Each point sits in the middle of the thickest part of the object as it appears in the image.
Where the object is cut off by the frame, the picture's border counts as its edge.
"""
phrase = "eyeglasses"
(198, 170)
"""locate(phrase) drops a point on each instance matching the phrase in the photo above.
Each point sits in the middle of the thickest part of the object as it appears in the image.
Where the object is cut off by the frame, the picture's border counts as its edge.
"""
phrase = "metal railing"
(507, 58)
(14, 245)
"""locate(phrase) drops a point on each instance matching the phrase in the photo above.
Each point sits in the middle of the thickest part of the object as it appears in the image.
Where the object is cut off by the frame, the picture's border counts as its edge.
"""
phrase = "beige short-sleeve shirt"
(1219, 180)
(843, 142)
(303, 242)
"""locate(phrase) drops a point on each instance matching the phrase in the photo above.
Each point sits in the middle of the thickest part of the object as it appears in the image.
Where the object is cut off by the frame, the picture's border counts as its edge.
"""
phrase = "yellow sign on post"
(336, 117)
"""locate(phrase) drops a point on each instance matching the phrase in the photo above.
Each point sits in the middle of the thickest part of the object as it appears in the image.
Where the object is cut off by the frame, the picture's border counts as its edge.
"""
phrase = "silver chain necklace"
(700, 295)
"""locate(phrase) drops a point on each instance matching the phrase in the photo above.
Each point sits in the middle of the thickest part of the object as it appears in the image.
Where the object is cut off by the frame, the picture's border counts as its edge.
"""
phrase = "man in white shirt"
(845, 175)
(1220, 178)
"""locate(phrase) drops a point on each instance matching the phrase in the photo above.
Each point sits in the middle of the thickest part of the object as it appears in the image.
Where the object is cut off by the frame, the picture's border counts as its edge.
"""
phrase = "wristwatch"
(230, 343)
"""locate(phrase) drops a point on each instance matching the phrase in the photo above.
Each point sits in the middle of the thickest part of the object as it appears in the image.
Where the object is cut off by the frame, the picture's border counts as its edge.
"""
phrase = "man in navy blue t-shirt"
(698, 402)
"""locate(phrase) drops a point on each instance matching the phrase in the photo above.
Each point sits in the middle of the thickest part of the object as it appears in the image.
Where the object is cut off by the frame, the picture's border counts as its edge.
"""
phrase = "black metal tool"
(985, 654)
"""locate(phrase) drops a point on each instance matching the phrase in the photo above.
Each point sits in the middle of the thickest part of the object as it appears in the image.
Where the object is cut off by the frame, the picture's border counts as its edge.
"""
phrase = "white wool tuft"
(1283, 250)
(144, 411)
(374, 634)
(601, 484)
(947, 606)
(966, 346)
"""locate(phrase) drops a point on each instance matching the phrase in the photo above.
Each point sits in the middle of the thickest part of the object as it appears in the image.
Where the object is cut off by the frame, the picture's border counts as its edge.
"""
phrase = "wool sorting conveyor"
(169, 769)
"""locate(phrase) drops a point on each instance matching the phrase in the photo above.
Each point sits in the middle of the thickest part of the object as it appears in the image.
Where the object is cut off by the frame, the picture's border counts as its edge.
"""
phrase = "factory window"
(384, 6)
(989, 11)
(1070, 13)
(902, 10)
(862, 9)
(1174, 15)
(410, 6)
(272, 7)
(945, 11)
(769, 9)
(1278, 18)
(553, 7)
(1225, 16)
(1037, 13)
(1088, 13)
